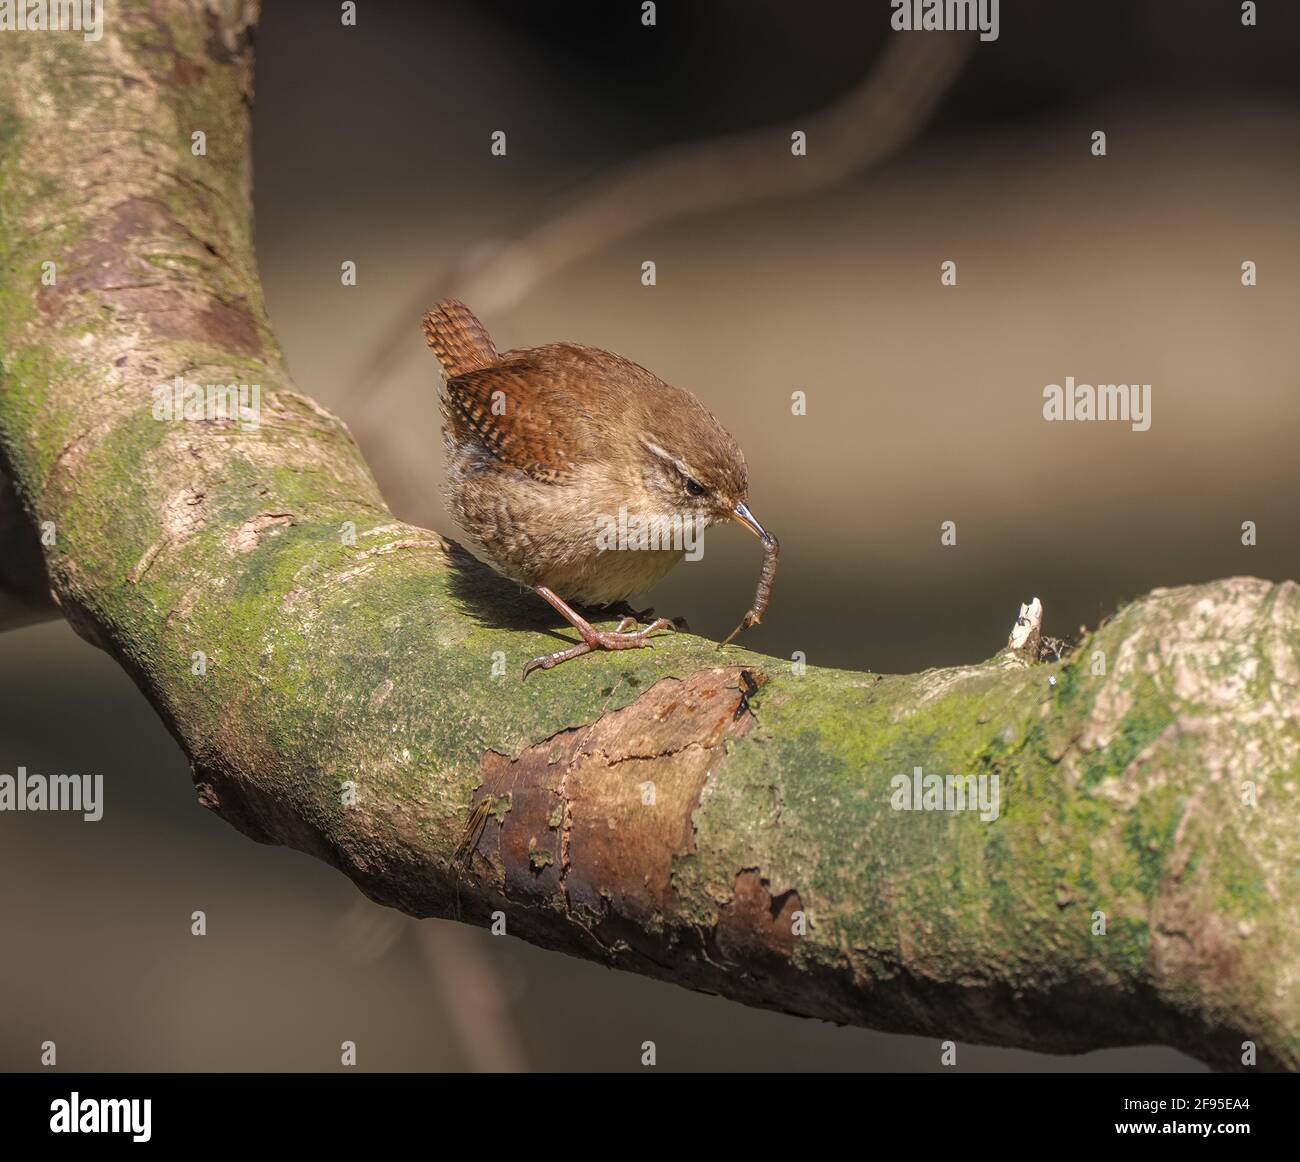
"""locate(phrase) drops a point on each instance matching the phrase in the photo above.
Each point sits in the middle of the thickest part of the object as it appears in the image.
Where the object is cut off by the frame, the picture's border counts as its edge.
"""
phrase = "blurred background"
(924, 405)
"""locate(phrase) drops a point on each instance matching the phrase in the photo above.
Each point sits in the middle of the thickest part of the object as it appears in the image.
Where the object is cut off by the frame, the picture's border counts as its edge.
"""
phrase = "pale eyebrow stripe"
(680, 465)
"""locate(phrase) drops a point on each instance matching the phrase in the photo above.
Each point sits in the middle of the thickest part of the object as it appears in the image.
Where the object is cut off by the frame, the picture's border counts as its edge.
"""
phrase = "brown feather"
(511, 411)
(457, 338)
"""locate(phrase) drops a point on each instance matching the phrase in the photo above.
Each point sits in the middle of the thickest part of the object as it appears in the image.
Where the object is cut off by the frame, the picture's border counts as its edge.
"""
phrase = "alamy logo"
(84, 16)
(634, 533)
(103, 1115)
(946, 16)
(33, 792)
(1128, 403)
(956, 793)
(232, 402)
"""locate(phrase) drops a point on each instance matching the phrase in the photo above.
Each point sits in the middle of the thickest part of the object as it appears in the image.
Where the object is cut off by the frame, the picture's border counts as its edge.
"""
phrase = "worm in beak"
(763, 594)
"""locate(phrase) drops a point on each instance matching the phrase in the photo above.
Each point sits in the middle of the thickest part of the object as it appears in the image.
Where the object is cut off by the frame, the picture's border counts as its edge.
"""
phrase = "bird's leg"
(592, 638)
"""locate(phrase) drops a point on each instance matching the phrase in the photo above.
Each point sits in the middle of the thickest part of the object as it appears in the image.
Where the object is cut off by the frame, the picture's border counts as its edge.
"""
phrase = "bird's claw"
(600, 640)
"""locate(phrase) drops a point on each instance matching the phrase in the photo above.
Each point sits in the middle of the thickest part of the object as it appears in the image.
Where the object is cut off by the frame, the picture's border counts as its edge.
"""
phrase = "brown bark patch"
(756, 929)
(228, 326)
(111, 264)
(599, 812)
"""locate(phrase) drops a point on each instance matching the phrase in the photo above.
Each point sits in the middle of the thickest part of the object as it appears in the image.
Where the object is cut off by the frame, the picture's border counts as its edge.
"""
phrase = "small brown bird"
(582, 475)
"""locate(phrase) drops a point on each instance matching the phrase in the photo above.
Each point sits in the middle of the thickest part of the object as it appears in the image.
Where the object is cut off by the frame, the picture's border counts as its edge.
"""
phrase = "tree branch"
(357, 698)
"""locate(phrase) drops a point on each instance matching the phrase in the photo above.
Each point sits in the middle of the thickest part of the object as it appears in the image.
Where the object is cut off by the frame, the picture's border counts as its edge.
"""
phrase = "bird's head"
(694, 469)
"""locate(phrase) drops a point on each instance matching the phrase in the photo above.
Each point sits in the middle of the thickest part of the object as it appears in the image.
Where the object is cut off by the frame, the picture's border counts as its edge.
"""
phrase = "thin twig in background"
(467, 982)
(475, 1000)
(870, 123)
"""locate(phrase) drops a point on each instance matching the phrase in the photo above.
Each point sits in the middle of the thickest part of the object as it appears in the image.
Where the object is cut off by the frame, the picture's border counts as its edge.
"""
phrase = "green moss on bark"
(375, 665)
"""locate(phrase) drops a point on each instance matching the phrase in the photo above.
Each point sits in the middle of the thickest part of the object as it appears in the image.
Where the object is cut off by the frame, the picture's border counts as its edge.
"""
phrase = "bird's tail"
(458, 339)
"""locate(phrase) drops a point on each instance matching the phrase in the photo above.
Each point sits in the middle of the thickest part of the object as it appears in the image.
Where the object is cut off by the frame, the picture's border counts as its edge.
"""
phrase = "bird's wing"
(520, 411)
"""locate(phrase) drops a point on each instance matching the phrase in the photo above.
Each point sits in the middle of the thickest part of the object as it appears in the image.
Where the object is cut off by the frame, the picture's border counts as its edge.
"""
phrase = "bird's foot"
(601, 640)
(644, 618)
(630, 615)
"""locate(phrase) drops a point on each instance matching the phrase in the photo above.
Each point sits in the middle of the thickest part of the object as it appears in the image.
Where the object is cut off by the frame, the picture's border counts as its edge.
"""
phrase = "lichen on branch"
(346, 684)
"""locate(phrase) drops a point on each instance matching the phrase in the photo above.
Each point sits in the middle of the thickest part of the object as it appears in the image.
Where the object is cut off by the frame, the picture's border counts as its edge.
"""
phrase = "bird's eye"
(694, 487)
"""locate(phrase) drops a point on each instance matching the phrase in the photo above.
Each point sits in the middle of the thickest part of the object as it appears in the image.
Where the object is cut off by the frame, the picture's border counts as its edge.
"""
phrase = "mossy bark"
(351, 699)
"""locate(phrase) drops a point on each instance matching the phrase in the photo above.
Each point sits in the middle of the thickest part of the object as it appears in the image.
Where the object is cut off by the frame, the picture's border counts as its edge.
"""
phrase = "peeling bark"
(352, 704)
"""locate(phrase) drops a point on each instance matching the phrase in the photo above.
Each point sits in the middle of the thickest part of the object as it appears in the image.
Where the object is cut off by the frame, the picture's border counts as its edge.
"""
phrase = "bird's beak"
(742, 514)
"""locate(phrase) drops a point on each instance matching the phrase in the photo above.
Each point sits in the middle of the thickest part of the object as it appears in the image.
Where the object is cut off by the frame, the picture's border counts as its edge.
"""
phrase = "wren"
(547, 446)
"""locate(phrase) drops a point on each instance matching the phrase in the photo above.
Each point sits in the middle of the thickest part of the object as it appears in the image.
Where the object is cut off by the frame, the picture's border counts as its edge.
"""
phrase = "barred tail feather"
(458, 339)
